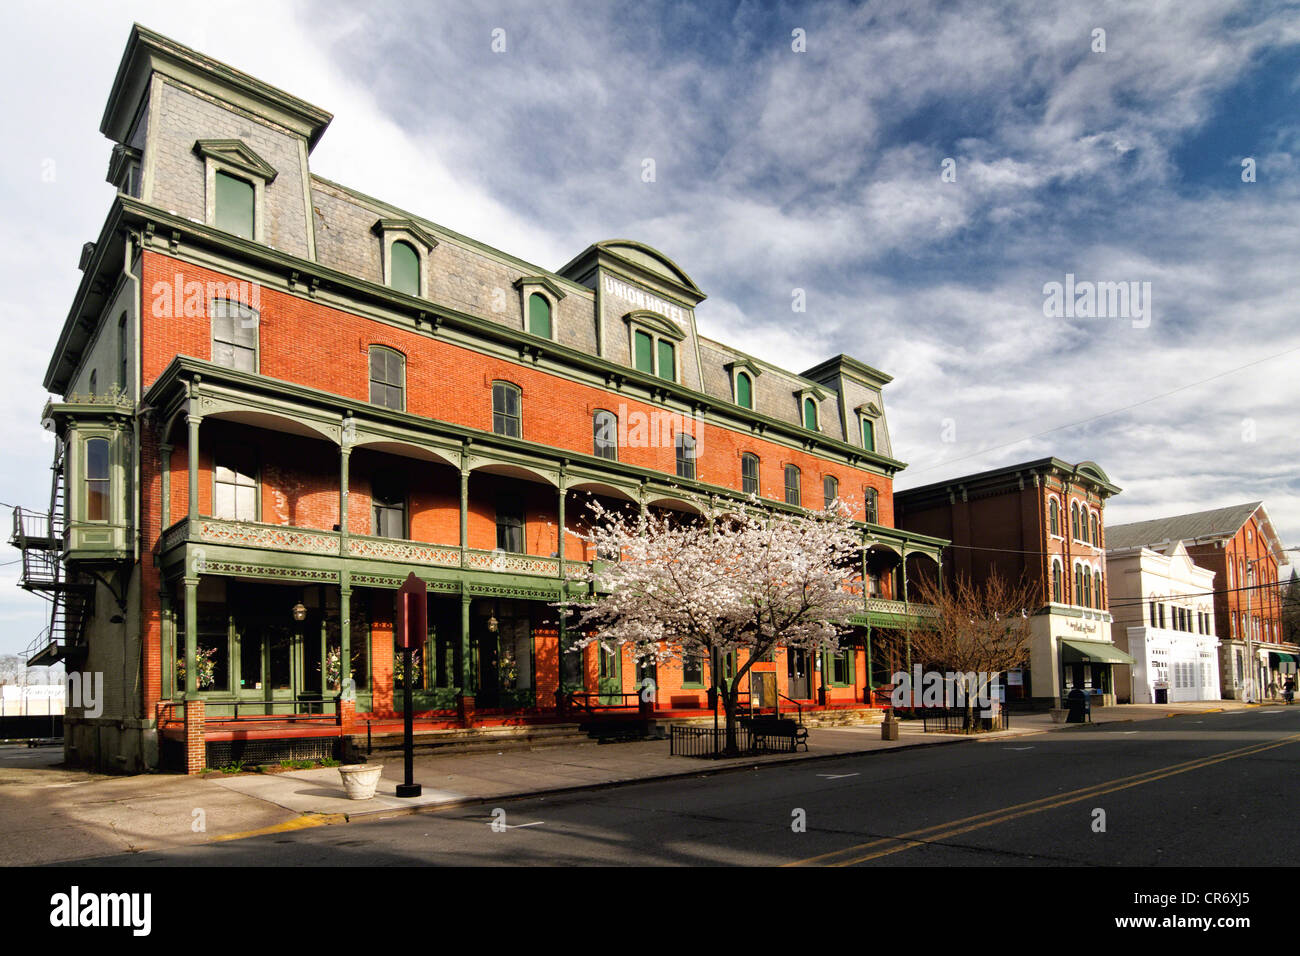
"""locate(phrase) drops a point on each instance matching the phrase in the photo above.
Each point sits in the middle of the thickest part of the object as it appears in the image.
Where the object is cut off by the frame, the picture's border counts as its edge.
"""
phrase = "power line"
(1107, 414)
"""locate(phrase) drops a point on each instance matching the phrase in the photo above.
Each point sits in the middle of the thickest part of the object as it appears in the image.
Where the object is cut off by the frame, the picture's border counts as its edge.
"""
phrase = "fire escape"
(42, 539)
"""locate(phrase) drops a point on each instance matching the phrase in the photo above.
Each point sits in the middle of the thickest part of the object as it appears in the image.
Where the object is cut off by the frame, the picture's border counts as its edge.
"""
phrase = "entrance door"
(797, 671)
(270, 665)
(610, 675)
(488, 660)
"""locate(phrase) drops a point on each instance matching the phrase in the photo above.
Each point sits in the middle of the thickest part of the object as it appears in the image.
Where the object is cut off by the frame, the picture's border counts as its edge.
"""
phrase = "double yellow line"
(942, 831)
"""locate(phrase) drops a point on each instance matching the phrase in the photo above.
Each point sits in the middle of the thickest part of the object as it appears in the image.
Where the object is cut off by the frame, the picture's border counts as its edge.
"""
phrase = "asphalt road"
(1196, 790)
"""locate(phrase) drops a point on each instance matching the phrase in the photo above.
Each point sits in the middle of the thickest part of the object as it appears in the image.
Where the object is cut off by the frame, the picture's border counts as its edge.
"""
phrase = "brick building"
(1040, 522)
(276, 397)
(1239, 544)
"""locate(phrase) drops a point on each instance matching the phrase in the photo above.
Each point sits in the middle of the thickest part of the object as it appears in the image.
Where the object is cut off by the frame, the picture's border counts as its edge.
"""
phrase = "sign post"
(410, 627)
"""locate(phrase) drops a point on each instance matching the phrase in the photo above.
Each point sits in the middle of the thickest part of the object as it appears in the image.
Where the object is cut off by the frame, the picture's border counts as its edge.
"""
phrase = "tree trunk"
(729, 703)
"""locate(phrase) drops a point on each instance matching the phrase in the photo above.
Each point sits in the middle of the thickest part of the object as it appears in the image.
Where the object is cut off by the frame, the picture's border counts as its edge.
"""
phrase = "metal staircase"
(40, 538)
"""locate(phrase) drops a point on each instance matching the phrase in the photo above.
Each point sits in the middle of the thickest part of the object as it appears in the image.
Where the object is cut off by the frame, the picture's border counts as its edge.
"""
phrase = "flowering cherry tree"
(728, 580)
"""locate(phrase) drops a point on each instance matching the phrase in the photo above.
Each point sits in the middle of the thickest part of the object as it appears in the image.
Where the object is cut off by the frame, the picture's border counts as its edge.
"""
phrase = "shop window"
(693, 671)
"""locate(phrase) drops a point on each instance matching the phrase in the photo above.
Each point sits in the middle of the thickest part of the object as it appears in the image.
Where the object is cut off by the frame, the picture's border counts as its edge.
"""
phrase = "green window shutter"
(234, 207)
(644, 359)
(744, 391)
(868, 435)
(539, 316)
(667, 361)
(405, 268)
(809, 414)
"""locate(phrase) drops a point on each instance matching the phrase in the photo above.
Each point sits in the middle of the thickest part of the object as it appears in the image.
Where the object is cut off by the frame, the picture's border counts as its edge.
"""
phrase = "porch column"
(193, 421)
(167, 626)
(191, 637)
(345, 628)
(165, 452)
(464, 510)
(866, 645)
(907, 634)
(466, 668)
(560, 547)
(345, 454)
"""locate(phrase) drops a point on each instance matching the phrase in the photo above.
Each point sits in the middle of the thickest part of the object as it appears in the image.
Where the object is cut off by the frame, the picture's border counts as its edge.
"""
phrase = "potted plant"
(360, 779)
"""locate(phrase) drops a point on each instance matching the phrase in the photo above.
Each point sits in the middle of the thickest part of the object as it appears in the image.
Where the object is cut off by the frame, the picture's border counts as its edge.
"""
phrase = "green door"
(610, 676)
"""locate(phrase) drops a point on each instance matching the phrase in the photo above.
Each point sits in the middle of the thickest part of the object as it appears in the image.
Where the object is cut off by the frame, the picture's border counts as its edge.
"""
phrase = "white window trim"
(251, 169)
(656, 336)
(552, 293)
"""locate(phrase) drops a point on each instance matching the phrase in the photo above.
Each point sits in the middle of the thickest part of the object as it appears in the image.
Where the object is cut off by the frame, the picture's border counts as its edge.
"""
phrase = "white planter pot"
(360, 779)
(1059, 714)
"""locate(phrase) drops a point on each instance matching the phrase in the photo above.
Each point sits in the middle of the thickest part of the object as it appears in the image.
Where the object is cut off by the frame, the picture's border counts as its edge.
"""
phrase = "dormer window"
(539, 299)
(867, 415)
(236, 180)
(654, 344)
(744, 374)
(809, 413)
(404, 252)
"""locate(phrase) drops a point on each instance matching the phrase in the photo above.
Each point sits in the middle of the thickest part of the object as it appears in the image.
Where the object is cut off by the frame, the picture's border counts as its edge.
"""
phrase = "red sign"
(411, 620)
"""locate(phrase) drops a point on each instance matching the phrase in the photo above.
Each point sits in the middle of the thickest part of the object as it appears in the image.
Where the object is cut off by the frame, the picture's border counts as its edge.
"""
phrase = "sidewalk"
(459, 779)
(48, 814)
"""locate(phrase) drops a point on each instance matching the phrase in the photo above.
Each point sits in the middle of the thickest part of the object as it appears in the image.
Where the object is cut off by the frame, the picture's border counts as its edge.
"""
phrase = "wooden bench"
(764, 729)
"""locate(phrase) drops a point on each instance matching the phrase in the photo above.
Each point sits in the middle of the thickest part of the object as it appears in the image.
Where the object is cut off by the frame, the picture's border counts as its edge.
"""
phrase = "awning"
(1094, 652)
(1282, 658)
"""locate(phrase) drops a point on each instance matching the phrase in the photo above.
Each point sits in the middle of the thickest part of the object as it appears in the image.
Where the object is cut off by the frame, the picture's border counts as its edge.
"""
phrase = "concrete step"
(477, 739)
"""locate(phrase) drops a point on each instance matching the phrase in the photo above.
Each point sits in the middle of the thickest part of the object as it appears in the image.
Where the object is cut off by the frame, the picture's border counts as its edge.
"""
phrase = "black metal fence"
(955, 720)
(688, 741)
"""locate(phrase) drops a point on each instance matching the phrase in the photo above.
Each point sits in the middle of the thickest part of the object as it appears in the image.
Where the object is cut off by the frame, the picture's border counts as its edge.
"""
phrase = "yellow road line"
(930, 834)
(297, 823)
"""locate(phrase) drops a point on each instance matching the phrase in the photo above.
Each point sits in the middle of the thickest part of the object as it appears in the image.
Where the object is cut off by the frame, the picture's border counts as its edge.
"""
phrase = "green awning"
(1094, 652)
(1283, 658)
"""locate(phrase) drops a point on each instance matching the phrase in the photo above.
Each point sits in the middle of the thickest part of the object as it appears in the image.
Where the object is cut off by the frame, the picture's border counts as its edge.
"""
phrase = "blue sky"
(778, 170)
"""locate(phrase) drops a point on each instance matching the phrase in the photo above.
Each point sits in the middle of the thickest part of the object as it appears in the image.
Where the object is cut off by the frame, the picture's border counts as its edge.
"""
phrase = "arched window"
(1056, 582)
(744, 390)
(1074, 520)
(685, 445)
(97, 479)
(604, 435)
(1078, 585)
(539, 315)
(1096, 591)
(1095, 537)
(792, 485)
(404, 268)
(749, 473)
(871, 501)
(234, 205)
(1054, 516)
(868, 434)
(1087, 587)
(387, 377)
(830, 489)
(1083, 523)
(1153, 610)
(809, 414)
(506, 414)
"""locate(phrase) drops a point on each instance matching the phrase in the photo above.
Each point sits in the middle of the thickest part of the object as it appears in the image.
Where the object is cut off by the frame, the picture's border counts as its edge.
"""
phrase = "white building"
(26, 700)
(1163, 609)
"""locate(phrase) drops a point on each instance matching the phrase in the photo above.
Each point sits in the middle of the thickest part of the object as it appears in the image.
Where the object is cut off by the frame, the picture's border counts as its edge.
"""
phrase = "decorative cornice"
(408, 226)
(546, 282)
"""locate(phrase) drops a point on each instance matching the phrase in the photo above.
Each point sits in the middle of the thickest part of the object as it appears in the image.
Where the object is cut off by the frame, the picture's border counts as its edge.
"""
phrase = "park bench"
(765, 729)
